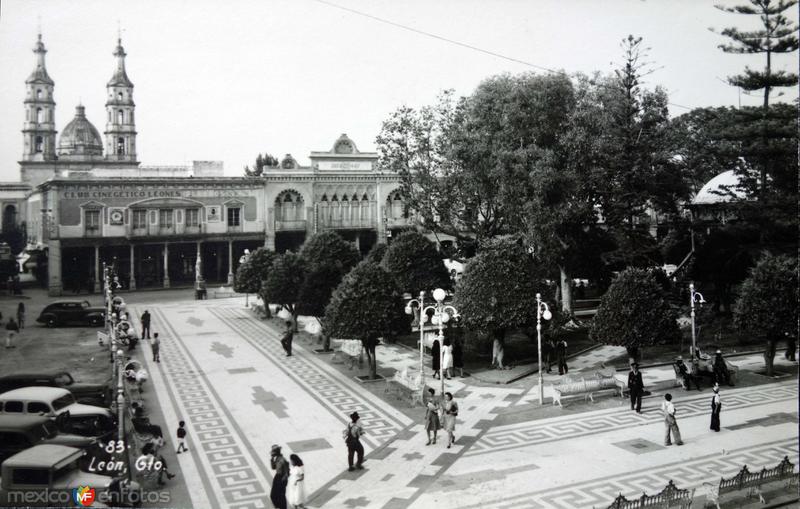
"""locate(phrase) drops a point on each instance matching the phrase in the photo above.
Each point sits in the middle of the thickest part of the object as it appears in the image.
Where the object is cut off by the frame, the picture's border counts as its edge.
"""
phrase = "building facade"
(85, 200)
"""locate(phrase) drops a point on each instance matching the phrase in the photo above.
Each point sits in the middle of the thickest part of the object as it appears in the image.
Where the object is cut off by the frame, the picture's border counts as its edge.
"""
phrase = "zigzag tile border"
(379, 426)
(686, 474)
(542, 432)
(232, 469)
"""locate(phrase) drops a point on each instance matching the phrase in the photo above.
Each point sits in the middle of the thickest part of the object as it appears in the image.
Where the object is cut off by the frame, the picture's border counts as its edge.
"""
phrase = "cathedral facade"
(87, 201)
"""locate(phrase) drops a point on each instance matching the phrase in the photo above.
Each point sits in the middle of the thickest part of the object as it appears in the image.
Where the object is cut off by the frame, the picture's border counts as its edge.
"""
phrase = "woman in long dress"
(432, 416)
(447, 359)
(716, 408)
(296, 490)
(449, 414)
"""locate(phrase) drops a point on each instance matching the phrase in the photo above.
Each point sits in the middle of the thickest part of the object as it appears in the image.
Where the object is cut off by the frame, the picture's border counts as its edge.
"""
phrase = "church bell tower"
(120, 125)
(39, 130)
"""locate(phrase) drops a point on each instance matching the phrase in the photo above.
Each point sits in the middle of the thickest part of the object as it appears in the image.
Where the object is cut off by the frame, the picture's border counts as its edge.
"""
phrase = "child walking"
(181, 437)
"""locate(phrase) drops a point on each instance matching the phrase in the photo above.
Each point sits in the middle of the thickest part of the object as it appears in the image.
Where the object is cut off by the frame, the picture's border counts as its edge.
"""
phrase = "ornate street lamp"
(440, 317)
(542, 311)
(694, 297)
(409, 310)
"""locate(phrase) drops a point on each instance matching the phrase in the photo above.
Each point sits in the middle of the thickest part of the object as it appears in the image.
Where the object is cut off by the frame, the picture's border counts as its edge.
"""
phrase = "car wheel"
(95, 321)
(51, 322)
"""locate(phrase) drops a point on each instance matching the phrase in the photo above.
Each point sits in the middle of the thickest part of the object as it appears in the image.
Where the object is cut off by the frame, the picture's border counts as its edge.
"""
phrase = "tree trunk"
(372, 361)
(566, 292)
(634, 354)
(267, 312)
(326, 339)
(769, 356)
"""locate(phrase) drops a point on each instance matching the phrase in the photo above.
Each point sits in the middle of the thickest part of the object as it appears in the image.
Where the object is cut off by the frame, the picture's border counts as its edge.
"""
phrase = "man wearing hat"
(683, 371)
(716, 408)
(721, 373)
(353, 441)
(636, 388)
(281, 478)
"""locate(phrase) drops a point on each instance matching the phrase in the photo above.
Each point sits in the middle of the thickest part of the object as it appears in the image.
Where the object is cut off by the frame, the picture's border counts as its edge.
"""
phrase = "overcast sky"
(225, 80)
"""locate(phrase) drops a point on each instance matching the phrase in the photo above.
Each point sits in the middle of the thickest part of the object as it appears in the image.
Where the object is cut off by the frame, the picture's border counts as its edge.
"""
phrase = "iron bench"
(586, 387)
(669, 497)
(751, 481)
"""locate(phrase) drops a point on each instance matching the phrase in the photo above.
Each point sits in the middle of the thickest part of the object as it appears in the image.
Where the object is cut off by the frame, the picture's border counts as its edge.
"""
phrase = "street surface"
(225, 373)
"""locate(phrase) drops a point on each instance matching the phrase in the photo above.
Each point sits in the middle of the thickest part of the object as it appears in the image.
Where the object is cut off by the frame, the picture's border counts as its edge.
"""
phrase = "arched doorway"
(9, 218)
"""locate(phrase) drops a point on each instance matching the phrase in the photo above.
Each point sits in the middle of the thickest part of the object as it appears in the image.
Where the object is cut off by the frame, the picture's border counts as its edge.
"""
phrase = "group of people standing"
(440, 414)
(672, 431)
(288, 483)
(449, 356)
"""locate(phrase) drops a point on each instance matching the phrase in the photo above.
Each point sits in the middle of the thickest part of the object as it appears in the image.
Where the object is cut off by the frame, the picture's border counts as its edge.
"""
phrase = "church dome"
(80, 137)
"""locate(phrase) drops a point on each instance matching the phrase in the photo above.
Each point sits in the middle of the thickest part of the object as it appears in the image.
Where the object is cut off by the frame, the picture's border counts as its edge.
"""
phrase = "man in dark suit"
(636, 388)
(286, 340)
(146, 324)
(561, 356)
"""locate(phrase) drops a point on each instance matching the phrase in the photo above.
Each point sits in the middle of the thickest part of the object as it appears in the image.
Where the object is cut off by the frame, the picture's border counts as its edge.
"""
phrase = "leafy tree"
(699, 145)
(415, 264)
(328, 257)
(250, 275)
(366, 305)
(767, 304)
(330, 247)
(284, 281)
(634, 313)
(377, 252)
(497, 291)
(620, 133)
(723, 259)
(768, 134)
(262, 161)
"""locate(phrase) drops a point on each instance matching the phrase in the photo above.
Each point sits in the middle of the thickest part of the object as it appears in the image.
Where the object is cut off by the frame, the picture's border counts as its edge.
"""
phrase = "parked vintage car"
(67, 312)
(83, 392)
(19, 432)
(60, 404)
(55, 471)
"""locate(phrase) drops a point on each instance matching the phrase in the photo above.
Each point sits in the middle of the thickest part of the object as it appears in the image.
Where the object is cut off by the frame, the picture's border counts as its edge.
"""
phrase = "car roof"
(40, 455)
(68, 302)
(36, 374)
(21, 420)
(35, 393)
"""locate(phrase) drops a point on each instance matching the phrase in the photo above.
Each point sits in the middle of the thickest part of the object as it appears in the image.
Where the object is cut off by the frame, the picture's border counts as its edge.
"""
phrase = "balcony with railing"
(399, 222)
(290, 225)
(157, 230)
(328, 223)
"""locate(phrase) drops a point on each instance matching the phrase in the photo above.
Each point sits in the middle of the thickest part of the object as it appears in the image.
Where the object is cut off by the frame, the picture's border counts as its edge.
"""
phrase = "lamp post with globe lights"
(443, 313)
(694, 297)
(422, 312)
(542, 311)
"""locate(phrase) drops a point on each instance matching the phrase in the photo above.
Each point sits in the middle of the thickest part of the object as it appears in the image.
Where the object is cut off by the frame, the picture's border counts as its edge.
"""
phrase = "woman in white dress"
(296, 490)
(447, 359)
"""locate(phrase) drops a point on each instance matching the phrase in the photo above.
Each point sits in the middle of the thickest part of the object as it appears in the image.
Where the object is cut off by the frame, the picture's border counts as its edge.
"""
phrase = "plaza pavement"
(225, 373)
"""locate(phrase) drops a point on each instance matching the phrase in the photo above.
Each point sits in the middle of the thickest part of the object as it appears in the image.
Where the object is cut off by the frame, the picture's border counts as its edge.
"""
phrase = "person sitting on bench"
(683, 371)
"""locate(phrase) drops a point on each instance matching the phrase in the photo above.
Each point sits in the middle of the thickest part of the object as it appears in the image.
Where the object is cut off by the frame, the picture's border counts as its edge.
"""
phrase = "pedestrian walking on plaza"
(296, 493)
(670, 422)
(716, 408)
(721, 372)
(21, 315)
(561, 354)
(636, 388)
(447, 359)
(432, 424)
(353, 435)
(435, 357)
(145, 324)
(181, 434)
(163, 470)
(12, 329)
(281, 478)
(449, 414)
(288, 336)
(156, 346)
(458, 357)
